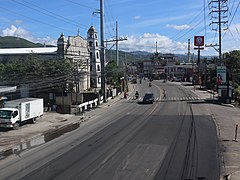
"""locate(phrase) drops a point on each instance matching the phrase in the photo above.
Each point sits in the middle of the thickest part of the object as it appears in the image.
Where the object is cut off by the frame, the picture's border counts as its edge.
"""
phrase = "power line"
(34, 20)
(190, 22)
(82, 5)
(110, 18)
(49, 13)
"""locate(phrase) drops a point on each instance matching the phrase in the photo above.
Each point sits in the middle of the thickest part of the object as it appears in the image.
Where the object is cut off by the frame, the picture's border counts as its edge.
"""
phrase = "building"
(169, 59)
(74, 48)
(95, 63)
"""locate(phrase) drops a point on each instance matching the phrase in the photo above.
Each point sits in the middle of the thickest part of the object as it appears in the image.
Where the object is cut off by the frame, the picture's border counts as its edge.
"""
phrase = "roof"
(4, 89)
(40, 50)
(8, 109)
(92, 29)
(22, 100)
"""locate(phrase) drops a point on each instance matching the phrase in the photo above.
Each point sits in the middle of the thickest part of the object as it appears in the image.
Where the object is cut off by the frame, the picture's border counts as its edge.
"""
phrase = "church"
(83, 53)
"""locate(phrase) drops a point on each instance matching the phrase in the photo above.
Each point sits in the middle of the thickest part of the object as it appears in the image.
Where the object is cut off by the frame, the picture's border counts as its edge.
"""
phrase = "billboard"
(198, 40)
(221, 74)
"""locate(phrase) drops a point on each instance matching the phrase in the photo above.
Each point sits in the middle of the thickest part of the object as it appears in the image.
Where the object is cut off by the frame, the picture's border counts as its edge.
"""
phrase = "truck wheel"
(16, 126)
(34, 120)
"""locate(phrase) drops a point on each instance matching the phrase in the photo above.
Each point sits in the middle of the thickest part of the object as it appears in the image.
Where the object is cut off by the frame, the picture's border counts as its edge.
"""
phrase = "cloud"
(18, 21)
(15, 31)
(22, 33)
(147, 42)
(136, 17)
(178, 27)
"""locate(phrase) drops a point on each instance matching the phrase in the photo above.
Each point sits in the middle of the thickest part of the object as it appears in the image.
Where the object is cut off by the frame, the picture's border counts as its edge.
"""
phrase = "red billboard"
(198, 40)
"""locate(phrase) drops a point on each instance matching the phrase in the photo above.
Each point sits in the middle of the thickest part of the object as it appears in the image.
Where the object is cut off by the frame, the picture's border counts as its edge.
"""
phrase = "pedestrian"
(164, 94)
(48, 106)
(125, 94)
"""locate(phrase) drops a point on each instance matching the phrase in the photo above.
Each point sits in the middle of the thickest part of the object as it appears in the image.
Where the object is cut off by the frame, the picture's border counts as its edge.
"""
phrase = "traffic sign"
(198, 40)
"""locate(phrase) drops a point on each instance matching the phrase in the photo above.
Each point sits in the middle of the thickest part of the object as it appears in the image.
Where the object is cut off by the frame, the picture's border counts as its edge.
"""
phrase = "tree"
(113, 74)
(232, 62)
(36, 72)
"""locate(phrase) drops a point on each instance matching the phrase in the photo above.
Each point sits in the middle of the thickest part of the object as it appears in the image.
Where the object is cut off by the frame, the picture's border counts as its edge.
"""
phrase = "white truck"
(17, 111)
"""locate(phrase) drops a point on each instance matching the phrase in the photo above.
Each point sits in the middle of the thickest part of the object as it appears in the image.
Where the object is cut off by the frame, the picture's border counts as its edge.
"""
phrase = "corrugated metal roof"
(41, 50)
(4, 89)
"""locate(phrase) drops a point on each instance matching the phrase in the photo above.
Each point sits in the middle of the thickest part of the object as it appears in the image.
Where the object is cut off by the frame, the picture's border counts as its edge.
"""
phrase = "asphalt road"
(171, 139)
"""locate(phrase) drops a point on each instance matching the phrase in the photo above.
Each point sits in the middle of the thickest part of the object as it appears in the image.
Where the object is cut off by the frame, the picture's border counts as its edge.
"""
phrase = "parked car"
(177, 79)
(148, 98)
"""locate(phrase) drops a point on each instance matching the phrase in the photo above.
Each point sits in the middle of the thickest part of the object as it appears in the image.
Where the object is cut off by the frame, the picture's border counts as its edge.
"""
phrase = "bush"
(237, 91)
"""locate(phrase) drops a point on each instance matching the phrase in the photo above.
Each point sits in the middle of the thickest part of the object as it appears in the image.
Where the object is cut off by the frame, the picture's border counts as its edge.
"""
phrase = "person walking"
(164, 94)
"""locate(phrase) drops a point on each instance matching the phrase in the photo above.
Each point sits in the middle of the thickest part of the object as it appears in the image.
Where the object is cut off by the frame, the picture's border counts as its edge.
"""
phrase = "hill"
(129, 57)
(16, 42)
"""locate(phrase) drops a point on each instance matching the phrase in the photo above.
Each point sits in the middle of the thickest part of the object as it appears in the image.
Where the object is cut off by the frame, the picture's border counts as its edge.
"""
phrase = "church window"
(96, 44)
(90, 43)
(96, 36)
(90, 35)
(98, 68)
(97, 55)
(91, 55)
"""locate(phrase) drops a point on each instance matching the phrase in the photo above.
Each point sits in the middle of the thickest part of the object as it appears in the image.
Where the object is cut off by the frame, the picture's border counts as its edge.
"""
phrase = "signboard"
(198, 40)
(221, 74)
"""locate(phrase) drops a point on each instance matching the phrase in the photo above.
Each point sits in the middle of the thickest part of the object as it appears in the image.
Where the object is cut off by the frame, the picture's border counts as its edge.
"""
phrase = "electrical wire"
(190, 22)
(49, 13)
(34, 20)
(232, 19)
(110, 18)
(82, 5)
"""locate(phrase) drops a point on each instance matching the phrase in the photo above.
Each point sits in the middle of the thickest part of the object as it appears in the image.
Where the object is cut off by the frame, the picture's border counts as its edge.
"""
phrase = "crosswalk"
(161, 99)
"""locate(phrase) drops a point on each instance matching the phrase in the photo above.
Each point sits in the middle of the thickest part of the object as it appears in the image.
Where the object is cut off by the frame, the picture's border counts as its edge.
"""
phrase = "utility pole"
(102, 51)
(116, 40)
(189, 58)
(117, 44)
(219, 31)
(156, 49)
(219, 9)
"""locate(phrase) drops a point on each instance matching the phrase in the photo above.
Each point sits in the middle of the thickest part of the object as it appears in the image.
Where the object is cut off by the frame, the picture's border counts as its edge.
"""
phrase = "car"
(148, 98)
(134, 81)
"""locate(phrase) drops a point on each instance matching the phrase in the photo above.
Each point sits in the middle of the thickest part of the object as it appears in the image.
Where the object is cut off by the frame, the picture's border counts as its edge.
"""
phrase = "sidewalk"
(50, 125)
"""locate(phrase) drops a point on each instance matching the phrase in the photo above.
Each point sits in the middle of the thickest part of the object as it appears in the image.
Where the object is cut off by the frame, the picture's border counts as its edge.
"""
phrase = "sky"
(145, 24)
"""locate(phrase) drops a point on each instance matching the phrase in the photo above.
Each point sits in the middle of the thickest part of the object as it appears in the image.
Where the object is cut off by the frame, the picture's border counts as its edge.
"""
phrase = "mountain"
(141, 53)
(16, 42)
(130, 57)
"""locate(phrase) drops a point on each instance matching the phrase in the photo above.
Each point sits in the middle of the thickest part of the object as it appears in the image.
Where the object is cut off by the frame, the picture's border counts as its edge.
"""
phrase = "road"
(174, 138)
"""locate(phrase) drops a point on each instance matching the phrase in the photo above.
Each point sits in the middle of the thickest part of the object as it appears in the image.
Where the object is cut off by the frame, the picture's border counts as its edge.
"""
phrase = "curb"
(41, 138)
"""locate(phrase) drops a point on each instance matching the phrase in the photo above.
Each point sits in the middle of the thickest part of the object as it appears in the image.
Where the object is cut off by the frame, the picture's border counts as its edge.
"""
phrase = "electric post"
(102, 51)
(116, 40)
(219, 9)
(189, 58)
(117, 44)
